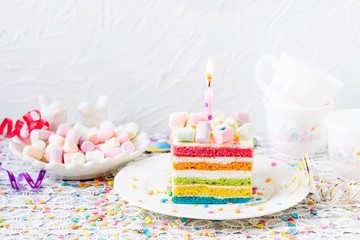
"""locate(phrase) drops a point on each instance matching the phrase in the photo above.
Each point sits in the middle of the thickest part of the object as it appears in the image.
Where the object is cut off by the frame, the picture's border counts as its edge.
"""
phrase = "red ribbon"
(12, 131)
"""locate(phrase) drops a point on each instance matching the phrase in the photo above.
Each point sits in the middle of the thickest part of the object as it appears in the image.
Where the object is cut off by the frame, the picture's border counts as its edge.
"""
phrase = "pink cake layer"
(212, 152)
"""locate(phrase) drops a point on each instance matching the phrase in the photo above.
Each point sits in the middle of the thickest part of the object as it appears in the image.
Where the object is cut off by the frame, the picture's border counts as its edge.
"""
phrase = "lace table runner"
(93, 210)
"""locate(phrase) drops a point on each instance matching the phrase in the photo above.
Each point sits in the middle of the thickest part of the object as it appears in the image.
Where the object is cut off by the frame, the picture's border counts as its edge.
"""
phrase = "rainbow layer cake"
(212, 160)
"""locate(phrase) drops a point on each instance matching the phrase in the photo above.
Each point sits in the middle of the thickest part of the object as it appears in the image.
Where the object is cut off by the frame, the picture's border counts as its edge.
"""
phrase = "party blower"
(295, 110)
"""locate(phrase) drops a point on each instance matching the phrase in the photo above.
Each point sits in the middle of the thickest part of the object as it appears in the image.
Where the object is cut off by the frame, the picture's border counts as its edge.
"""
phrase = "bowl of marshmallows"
(80, 151)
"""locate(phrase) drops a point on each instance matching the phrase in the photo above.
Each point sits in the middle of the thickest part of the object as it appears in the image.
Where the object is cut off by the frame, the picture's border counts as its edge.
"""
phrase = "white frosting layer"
(224, 160)
(241, 144)
(211, 174)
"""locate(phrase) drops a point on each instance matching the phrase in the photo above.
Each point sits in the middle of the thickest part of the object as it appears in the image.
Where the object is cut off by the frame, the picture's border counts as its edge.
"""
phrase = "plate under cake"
(213, 171)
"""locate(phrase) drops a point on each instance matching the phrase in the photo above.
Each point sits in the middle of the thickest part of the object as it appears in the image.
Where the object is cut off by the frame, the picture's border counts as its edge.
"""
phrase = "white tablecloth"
(67, 210)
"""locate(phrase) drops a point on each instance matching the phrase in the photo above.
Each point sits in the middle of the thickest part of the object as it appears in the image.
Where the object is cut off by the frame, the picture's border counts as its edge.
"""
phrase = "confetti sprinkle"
(260, 225)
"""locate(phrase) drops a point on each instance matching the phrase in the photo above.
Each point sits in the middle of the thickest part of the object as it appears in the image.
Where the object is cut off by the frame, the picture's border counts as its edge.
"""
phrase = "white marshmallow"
(246, 131)
(219, 115)
(95, 155)
(232, 123)
(106, 123)
(78, 158)
(215, 122)
(39, 144)
(132, 129)
(110, 143)
(185, 134)
(81, 129)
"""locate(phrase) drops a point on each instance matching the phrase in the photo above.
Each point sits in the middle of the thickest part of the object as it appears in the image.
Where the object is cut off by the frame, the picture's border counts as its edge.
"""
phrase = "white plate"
(88, 170)
(154, 174)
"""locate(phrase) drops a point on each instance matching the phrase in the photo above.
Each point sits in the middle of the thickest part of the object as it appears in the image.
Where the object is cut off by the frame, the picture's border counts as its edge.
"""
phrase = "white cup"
(296, 131)
(296, 83)
(344, 142)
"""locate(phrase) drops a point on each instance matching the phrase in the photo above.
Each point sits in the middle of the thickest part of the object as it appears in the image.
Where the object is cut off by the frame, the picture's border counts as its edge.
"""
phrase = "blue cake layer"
(209, 200)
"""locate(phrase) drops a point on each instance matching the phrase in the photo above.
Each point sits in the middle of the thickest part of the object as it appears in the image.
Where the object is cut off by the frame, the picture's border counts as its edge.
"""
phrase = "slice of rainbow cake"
(211, 160)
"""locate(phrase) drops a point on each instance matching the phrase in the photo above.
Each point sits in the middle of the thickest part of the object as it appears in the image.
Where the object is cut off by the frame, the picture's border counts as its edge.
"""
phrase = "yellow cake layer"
(211, 191)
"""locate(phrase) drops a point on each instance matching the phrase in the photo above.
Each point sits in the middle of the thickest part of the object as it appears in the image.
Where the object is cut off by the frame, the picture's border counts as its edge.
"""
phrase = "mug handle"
(259, 68)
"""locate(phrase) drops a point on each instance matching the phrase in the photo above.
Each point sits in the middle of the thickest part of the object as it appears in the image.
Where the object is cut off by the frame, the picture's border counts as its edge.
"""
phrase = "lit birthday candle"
(209, 93)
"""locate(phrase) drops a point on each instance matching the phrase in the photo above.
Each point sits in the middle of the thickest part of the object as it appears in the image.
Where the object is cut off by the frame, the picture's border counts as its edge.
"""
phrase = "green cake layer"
(209, 200)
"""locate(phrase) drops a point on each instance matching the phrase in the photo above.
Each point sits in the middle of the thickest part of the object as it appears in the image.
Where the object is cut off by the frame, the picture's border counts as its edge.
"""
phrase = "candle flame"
(209, 72)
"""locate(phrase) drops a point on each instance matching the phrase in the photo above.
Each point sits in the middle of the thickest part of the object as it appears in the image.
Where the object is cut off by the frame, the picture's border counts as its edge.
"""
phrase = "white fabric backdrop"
(149, 56)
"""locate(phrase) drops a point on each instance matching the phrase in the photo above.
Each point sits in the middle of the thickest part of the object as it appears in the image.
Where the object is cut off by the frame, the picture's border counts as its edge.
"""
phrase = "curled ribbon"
(16, 182)
(8, 130)
(301, 174)
(340, 192)
(325, 191)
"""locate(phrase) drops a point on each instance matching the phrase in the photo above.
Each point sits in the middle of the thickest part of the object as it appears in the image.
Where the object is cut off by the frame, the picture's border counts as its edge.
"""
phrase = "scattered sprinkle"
(260, 208)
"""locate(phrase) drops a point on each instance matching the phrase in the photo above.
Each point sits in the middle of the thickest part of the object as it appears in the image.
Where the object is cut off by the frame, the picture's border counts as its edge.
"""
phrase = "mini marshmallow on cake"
(212, 159)
(79, 144)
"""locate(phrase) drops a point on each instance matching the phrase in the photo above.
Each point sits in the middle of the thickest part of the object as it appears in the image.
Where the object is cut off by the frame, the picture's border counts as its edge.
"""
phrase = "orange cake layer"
(233, 166)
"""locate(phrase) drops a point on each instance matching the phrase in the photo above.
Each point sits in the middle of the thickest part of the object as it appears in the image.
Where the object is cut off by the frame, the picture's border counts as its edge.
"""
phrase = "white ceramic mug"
(295, 132)
(344, 142)
(296, 83)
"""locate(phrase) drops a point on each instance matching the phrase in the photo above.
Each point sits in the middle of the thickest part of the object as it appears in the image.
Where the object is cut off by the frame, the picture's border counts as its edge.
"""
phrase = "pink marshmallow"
(122, 137)
(68, 157)
(87, 146)
(72, 136)
(56, 154)
(194, 119)
(97, 147)
(40, 134)
(63, 129)
(203, 132)
(223, 136)
(82, 139)
(128, 147)
(112, 152)
(240, 117)
(47, 153)
(106, 133)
